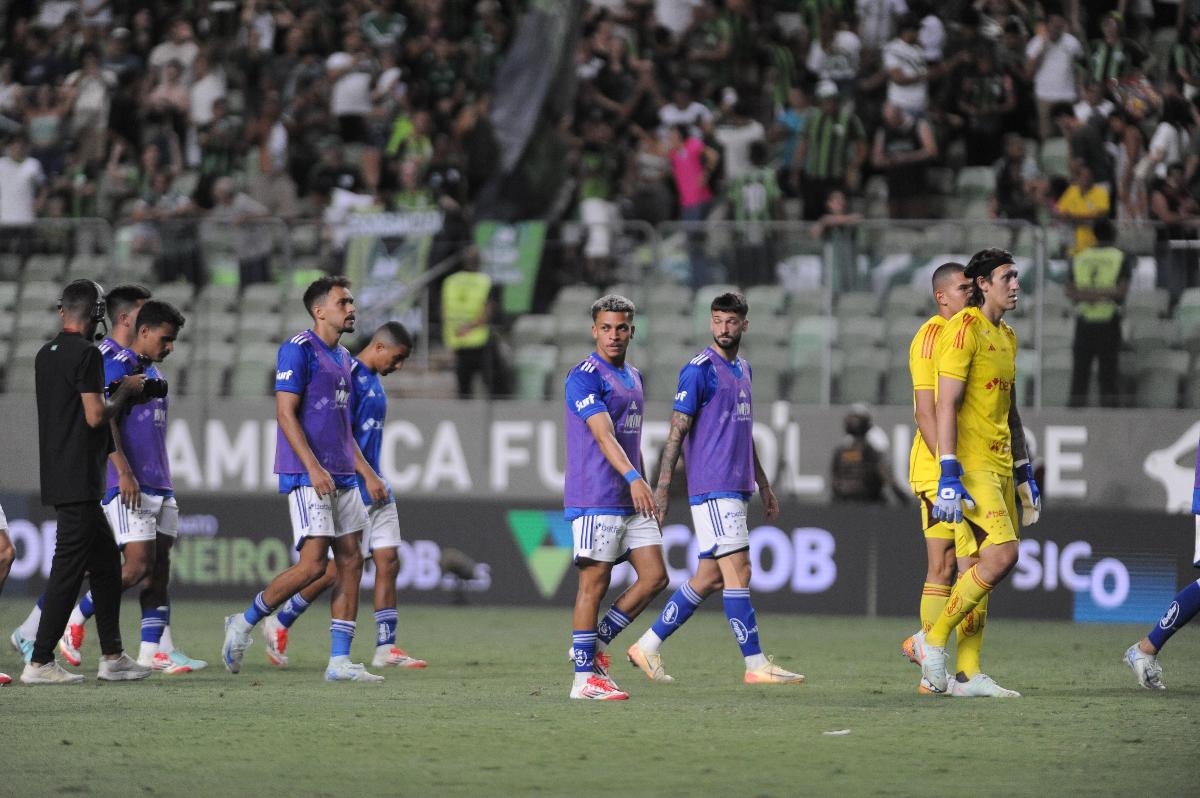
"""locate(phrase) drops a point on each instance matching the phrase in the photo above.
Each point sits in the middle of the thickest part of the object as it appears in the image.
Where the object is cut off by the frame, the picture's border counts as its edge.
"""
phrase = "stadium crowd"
(134, 111)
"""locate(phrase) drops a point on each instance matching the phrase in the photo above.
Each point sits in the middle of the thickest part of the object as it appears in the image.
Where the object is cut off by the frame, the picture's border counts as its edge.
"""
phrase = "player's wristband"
(632, 476)
(950, 466)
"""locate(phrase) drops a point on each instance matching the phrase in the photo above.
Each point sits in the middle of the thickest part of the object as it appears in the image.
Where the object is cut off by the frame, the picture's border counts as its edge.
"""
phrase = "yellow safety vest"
(464, 297)
(1097, 267)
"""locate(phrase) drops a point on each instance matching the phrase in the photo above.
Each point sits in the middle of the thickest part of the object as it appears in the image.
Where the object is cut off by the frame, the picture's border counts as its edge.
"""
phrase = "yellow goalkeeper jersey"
(922, 367)
(984, 356)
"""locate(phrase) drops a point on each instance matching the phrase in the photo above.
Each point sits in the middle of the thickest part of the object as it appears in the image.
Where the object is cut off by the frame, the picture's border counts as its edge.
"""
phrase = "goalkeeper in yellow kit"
(981, 453)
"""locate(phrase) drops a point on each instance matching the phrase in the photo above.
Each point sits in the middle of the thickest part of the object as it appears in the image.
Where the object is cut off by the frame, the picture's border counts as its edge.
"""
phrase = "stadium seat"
(667, 300)
(810, 336)
(39, 295)
(862, 373)
(216, 325)
(10, 267)
(1054, 157)
(983, 234)
(808, 303)
(206, 379)
(134, 268)
(865, 331)
(1054, 301)
(534, 364)
(853, 306)
(1149, 335)
(1023, 327)
(265, 326)
(304, 238)
(573, 332)
(45, 267)
(768, 330)
(19, 378)
(1057, 333)
(533, 328)
(770, 366)
(575, 299)
(668, 330)
(1159, 378)
(91, 267)
(1056, 377)
(634, 293)
(217, 297)
(975, 182)
(257, 351)
(1147, 303)
(906, 303)
(252, 379)
(261, 296)
(943, 237)
(8, 297)
(1191, 390)
(898, 388)
(765, 300)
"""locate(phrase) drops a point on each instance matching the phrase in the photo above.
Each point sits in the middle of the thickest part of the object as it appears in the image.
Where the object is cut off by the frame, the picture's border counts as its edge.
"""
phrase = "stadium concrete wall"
(474, 450)
(1085, 565)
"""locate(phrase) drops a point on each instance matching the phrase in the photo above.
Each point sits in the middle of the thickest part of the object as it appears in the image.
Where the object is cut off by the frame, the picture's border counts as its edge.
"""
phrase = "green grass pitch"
(491, 716)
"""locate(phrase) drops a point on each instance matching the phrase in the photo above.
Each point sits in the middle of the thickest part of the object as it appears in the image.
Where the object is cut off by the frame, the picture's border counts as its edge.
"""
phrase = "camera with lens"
(152, 388)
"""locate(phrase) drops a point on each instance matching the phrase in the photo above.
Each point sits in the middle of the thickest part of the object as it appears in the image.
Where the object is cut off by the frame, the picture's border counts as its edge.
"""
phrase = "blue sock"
(679, 608)
(584, 641)
(153, 623)
(1182, 609)
(85, 605)
(292, 609)
(257, 610)
(385, 627)
(42, 600)
(740, 613)
(341, 634)
(611, 625)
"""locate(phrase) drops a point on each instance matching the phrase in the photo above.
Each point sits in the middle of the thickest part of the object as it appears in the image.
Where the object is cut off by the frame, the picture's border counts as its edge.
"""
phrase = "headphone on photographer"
(99, 307)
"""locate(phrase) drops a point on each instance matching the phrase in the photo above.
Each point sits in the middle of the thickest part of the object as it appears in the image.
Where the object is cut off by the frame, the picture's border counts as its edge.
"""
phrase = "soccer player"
(606, 499)
(316, 459)
(951, 291)
(1142, 656)
(977, 419)
(146, 556)
(713, 422)
(385, 353)
(7, 554)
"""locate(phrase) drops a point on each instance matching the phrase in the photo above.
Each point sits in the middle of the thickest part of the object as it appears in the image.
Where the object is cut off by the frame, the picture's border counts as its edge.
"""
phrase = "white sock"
(239, 621)
(340, 659)
(383, 649)
(28, 630)
(147, 650)
(755, 661)
(649, 642)
(600, 645)
(166, 645)
(581, 678)
(76, 617)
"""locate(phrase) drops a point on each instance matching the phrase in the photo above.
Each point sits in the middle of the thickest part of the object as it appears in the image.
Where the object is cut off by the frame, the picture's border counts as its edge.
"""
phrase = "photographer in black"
(74, 440)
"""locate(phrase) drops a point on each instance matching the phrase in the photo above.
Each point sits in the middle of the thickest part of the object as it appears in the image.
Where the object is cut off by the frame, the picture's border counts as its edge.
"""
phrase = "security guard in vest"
(467, 303)
(1097, 283)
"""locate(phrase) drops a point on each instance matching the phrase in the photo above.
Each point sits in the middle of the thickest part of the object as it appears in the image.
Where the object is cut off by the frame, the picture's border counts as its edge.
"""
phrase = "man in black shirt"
(74, 438)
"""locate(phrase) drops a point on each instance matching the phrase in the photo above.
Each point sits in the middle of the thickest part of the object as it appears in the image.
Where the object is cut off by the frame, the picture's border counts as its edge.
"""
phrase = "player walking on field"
(1142, 656)
(713, 423)
(139, 500)
(316, 459)
(384, 354)
(943, 541)
(977, 420)
(606, 499)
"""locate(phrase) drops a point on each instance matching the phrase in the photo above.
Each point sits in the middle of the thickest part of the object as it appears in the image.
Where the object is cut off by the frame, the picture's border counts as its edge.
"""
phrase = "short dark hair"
(731, 302)
(943, 273)
(315, 294)
(396, 332)
(982, 264)
(1105, 232)
(156, 313)
(123, 297)
(1062, 109)
(80, 297)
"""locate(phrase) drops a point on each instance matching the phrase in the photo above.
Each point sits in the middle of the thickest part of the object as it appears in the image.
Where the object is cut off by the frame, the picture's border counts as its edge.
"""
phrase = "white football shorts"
(721, 527)
(608, 538)
(383, 527)
(155, 515)
(331, 516)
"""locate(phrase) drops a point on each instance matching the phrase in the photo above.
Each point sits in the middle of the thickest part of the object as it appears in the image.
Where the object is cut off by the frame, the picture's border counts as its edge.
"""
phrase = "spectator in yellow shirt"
(1082, 203)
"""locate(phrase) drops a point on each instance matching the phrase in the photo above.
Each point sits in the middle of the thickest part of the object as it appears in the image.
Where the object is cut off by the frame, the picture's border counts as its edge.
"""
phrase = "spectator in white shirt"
(683, 110)
(907, 72)
(21, 183)
(180, 47)
(93, 88)
(1051, 65)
